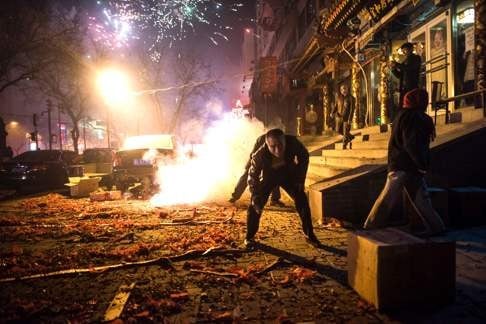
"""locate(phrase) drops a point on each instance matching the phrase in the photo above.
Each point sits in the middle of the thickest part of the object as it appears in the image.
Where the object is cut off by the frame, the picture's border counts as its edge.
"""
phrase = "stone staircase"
(370, 146)
(331, 166)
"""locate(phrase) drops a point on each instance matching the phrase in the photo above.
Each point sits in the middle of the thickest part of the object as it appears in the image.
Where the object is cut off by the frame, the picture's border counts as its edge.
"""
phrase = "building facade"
(320, 45)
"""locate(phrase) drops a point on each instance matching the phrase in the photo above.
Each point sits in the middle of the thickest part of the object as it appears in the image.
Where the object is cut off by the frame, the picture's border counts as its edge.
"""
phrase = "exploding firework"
(112, 30)
(166, 21)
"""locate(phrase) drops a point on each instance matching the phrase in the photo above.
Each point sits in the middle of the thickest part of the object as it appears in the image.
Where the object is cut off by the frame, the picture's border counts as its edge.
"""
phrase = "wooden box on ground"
(392, 269)
(82, 187)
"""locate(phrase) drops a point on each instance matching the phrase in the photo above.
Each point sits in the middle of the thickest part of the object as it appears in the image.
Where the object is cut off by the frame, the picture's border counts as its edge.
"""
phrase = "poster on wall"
(469, 33)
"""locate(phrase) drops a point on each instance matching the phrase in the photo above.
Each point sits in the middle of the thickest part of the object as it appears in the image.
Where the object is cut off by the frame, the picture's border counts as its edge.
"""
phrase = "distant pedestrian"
(282, 161)
(343, 112)
(408, 72)
(243, 181)
(408, 161)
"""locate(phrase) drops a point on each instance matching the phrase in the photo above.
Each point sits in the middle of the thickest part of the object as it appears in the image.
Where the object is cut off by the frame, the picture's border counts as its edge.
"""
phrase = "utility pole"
(108, 129)
(84, 132)
(59, 111)
(49, 129)
(36, 137)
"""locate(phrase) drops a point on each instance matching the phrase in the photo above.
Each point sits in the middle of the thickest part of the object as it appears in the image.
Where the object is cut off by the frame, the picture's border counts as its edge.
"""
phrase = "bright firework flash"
(213, 172)
(110, 29)
(170, 21)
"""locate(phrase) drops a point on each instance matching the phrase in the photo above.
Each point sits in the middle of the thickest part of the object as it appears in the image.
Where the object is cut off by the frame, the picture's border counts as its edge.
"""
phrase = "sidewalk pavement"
(286, 237)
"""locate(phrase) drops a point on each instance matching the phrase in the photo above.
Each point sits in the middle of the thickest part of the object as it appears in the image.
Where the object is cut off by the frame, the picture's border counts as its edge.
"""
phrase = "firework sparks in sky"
(164, 21)
(112, 30)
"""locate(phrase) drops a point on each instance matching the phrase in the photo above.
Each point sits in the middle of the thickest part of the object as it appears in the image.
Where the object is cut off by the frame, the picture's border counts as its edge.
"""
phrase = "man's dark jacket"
(408, 148)
(408, 72)
(344, 107)
(296, 163)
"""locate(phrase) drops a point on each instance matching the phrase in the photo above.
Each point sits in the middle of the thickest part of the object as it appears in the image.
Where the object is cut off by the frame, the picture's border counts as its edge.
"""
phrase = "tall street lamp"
(114, 86)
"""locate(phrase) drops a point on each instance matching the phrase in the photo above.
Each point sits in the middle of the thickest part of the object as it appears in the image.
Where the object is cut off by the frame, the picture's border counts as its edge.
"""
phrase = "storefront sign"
(378, 8)
(268, 74)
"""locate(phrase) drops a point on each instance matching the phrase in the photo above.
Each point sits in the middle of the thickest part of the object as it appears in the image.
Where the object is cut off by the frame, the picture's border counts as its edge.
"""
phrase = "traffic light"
(34, 119)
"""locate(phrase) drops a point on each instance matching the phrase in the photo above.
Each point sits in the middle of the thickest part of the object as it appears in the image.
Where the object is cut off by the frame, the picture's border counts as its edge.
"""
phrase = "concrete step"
(309, 139)
(469, 115)
(317, 167)
(381, 144)
(318, 172)
(345, 162)
(357, 153)
(466, 114)
(372, 130)
(372, 137)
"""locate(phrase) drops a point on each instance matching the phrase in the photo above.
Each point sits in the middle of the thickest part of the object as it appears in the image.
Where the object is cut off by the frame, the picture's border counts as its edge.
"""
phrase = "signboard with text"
(268, 74)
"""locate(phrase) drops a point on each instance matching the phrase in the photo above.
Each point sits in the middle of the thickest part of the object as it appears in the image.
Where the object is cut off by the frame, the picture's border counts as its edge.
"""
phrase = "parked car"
(37, 170)
(98, 162)
(136, 164)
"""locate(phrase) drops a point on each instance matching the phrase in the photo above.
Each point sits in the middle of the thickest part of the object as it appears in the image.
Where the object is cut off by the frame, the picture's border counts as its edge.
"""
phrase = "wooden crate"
(392, 269)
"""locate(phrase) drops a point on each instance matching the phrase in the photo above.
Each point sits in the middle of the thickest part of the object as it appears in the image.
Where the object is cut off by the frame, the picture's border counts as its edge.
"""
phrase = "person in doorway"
(408, 161)
(408, 72)
(342, 113)
(243, 181)
(282, 161)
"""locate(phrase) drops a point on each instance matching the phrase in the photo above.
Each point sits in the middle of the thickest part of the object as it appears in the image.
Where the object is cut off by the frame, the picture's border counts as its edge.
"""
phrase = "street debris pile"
(79, 260)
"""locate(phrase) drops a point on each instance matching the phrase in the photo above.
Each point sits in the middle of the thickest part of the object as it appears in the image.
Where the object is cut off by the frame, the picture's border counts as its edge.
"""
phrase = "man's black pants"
(259, 199)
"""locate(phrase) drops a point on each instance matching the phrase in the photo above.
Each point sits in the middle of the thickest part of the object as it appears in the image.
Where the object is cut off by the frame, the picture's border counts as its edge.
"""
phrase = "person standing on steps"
(408, 72)
(408, 161)
(342, 113)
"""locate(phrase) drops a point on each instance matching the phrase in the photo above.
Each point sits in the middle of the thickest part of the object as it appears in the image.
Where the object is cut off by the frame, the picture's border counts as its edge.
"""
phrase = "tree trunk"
(177, 114)
(75, 136)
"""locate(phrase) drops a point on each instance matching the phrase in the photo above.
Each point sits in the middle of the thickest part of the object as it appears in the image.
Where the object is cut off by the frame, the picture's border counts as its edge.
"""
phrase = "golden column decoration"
(480, 42)
(355, 92)
(299, 126)
(326, 107)
(383, 89)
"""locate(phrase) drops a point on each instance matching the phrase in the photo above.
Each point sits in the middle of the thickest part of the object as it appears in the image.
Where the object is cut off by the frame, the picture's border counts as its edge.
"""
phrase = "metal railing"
(444, 103)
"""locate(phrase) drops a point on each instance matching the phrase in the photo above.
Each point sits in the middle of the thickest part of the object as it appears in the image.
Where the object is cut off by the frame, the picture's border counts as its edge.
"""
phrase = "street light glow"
(114, 86)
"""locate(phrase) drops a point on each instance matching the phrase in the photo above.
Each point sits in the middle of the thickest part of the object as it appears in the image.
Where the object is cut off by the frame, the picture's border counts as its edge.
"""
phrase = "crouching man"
(282, 161)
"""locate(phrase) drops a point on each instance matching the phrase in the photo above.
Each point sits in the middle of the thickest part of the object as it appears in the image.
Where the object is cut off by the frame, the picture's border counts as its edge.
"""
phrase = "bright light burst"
(212, 174)
(112, 30)
(162, 21)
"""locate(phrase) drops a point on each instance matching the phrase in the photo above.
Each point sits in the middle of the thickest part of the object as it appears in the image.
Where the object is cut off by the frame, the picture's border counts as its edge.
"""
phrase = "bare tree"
(195, 81)
(153, 75)
(66, 82)
(25, 33)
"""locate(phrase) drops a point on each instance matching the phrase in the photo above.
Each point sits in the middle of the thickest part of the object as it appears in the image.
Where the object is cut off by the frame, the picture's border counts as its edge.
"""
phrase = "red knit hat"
(416, 99)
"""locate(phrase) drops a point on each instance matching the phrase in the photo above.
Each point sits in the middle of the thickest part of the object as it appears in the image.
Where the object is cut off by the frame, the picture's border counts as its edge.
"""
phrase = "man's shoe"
(232, 200)
(250, 244)
(277, 203)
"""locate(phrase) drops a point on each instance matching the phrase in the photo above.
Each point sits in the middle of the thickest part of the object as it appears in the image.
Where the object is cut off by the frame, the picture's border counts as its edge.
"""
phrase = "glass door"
(432, 42)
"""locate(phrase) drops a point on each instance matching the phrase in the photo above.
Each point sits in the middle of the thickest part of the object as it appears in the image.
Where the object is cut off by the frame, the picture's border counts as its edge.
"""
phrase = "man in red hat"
(408, 161)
